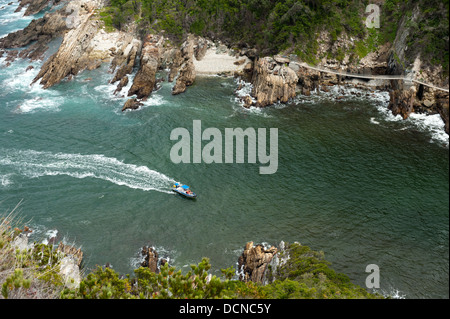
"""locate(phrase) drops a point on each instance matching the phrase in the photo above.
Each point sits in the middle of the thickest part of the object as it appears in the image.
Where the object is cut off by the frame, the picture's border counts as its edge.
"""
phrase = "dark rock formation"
(151, 259)
(402, 102)
(132, 104)
(254, 261)
(442, 102)
(123, 82)
(175, 64)
(37, 35)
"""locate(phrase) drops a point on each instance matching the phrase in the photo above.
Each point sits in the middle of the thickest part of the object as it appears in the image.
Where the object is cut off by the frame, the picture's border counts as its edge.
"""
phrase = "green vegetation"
(27, 271)
(308, 275)
(427, 24)
(269, 26)
(35, 272)
(291, 26)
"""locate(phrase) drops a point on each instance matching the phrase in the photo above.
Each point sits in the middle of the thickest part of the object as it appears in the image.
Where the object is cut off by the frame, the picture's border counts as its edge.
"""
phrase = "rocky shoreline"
(86, 45)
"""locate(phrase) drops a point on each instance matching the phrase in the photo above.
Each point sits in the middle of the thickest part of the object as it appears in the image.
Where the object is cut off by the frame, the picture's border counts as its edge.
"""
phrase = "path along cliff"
(87, 45)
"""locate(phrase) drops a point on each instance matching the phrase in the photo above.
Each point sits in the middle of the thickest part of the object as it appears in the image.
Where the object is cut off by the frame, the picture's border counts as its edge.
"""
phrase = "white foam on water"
(32, 105)
(5, 180)
(8, 18)
(392, 293)
(35, 98)
(154, 100)
(163, 253)
(373, 121)
(49, 234)
(431, 123)
(33, 164)
(245, 89)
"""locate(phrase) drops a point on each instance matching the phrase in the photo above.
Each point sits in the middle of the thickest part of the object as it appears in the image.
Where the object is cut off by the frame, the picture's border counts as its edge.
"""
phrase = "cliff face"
(275, 79)
(411, 59)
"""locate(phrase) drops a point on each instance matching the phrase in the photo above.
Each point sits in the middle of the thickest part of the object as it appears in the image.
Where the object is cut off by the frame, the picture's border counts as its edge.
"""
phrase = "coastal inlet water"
(353, 181)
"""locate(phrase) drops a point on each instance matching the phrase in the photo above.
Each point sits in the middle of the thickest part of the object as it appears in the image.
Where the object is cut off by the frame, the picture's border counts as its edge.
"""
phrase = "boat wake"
(34, 164)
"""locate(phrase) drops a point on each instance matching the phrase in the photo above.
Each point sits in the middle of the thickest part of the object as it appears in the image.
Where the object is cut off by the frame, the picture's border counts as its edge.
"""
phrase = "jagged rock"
(145, 79)
(247, 101)
(176, 63)
(132, 104)
(71, 56)
(273, 82)
(35, 6)
(85, 46)
(281, 60)
(254, 261)
(151, 258)
(247, 72)
(185, 78)
(41, 30)
(402, 102)
(200, 49)
(125, 59)
(187, 74)
(123, 82)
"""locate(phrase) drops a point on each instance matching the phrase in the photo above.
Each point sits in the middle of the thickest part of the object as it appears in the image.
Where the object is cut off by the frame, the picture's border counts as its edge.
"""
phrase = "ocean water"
(353, 181)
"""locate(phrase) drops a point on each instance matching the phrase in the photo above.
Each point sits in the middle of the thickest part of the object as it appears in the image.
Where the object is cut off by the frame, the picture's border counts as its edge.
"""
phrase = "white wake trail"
(35, 164)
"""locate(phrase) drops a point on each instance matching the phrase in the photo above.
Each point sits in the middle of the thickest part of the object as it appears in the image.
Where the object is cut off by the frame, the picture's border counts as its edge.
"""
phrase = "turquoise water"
(353, 181)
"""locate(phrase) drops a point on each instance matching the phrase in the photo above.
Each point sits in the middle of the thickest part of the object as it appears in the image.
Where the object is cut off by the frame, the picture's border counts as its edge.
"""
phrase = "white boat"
(184, 190)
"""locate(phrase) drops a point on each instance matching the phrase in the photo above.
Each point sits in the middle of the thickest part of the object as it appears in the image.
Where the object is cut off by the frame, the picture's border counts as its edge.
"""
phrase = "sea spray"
(33, 164)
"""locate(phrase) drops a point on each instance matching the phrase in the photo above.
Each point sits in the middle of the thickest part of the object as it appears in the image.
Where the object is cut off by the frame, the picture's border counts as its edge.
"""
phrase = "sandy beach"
(214, 63)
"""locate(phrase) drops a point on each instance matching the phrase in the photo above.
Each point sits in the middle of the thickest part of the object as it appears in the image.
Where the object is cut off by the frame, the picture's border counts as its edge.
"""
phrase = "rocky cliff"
(86, 45)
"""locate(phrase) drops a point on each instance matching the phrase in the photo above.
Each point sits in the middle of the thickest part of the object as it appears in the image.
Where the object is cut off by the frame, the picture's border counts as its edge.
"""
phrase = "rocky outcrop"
(152, 259)
(37, 35)
(125, 58)
(254, 262)
(187, 74)
(123, 82)
(85, 46)
(145, 79)
(442, 102)
(132, 104)
(48, 26)
(402, 102)
(419, 99)
(35, 6)
(73, 54)
(273, 82)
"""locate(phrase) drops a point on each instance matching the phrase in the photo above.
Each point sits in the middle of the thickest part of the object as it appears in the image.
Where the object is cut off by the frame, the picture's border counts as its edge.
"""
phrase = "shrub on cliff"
(27, 270)
(168, 283)
(34, 271)
(307, 275)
